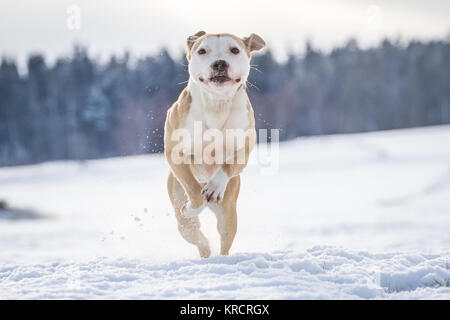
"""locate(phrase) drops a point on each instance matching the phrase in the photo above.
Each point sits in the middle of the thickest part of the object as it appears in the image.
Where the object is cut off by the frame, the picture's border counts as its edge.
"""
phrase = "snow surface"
(361, 216)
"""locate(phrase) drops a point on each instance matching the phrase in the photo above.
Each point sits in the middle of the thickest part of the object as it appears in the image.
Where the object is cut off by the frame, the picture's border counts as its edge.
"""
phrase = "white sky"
(143, 26)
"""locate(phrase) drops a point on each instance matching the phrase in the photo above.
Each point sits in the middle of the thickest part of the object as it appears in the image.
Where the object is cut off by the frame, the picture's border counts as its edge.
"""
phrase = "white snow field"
(360, 216)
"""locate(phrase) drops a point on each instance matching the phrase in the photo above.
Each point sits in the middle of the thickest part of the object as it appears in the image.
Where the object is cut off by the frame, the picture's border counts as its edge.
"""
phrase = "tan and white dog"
(215, 101)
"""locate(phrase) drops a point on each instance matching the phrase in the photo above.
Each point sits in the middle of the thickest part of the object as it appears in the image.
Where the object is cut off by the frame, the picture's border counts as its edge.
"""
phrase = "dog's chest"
(206, 126)
(219, 118)
(209, 119)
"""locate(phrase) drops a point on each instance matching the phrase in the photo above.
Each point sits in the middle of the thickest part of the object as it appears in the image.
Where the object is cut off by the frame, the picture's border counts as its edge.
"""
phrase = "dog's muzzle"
(219, 71)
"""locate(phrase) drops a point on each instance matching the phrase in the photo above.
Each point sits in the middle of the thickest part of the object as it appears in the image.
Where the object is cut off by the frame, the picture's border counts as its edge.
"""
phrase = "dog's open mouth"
(219, 79)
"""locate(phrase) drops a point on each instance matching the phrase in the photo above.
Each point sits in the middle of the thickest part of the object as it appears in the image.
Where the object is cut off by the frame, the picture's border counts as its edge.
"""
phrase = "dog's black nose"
(219, 65)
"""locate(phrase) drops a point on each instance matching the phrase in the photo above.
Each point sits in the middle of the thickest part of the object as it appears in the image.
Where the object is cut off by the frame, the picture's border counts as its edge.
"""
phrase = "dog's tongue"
(220, 77)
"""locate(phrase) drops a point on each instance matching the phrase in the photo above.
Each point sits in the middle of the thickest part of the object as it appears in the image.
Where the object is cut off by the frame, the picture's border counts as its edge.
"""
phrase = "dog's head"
(220, 63)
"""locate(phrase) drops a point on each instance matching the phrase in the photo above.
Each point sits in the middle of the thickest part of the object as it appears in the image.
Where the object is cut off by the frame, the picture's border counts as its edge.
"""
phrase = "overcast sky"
(143, 26)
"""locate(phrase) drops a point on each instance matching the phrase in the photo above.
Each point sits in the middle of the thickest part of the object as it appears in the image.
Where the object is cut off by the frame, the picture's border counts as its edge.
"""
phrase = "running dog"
(205, 168)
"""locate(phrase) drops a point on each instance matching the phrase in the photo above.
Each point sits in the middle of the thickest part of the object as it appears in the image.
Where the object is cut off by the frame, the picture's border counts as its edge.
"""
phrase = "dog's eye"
(201, 51)
(234, 50)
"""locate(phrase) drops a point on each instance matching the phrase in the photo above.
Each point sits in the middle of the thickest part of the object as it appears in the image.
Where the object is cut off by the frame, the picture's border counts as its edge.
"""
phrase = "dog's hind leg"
(225, 212)
(189, 227)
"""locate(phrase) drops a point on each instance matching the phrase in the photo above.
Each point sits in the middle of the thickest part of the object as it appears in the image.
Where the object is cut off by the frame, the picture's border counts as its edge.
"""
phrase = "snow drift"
(342, 217)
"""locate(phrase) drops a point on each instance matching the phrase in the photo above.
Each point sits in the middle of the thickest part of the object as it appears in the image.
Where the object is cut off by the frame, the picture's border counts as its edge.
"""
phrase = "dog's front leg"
(234, 166)
(192, 188)
(214, 190)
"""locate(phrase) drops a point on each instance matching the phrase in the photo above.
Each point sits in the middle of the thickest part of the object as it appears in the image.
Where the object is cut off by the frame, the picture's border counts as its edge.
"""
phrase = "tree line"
(79, 108)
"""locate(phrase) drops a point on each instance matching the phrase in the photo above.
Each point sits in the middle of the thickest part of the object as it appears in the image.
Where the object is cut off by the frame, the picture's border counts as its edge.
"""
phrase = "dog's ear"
(191, 40)
(254, 43)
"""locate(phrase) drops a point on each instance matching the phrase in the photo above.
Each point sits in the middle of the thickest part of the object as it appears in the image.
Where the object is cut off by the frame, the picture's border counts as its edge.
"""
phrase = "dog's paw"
(188, 211)
(214, 190)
